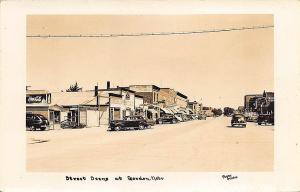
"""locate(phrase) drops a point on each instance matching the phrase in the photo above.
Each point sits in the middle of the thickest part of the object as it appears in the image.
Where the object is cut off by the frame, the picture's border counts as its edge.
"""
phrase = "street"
(199, 145)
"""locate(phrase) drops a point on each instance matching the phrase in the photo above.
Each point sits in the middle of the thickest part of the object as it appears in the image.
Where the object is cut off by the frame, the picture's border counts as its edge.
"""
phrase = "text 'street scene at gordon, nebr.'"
(149, 93)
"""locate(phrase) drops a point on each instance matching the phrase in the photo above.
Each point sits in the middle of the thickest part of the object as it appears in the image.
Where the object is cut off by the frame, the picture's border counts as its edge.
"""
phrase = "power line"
(152, 34)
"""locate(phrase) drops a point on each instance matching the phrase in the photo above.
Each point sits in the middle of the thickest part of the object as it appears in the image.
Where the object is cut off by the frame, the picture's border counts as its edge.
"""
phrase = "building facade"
(181, 100)
(260, 103)
(38, 102)
(249, 101)
(148, 92)
(195, 107)
(167, 97)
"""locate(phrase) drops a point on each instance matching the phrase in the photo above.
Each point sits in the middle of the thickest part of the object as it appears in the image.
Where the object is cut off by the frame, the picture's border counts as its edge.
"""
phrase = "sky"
(217, 69)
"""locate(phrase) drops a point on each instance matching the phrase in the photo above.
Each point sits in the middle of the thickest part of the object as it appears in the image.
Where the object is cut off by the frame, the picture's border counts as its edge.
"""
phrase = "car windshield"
(42, 117)
(238, 116)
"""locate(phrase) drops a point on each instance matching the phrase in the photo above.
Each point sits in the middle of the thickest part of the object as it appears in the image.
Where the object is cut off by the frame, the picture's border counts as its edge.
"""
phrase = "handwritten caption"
(119, 178)
(229, 177)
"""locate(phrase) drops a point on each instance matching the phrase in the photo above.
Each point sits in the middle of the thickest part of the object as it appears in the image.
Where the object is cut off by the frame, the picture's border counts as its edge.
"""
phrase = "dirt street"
(197, 145)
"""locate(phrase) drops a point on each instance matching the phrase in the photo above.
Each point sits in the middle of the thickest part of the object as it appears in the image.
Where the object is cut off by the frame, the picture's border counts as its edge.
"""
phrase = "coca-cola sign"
(36, 99)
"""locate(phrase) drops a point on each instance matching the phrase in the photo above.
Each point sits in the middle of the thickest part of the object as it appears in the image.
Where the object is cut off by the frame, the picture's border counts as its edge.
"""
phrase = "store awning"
(166, 110)
(191, 111)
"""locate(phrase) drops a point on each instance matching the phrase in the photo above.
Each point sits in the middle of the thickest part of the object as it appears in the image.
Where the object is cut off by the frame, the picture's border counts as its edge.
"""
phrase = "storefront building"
(38, 102)
(167, 97)
(148, 92)
(84, 107)
(181, 100)
(195, 107)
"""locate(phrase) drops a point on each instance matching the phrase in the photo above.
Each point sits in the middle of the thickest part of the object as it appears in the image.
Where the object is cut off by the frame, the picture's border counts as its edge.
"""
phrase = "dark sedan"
(36, 121)
(238, 120)
(169, 118)
(129, 122)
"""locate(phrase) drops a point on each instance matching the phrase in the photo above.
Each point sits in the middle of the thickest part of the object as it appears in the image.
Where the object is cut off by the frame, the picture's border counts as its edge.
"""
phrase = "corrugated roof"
(74, 98)
(38, 92)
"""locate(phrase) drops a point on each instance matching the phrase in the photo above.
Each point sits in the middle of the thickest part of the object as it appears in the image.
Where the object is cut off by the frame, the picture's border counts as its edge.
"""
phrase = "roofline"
(254, 95)
(181, 95)
(153, 86)
(115, 95)
(139, 96)
(117, 88)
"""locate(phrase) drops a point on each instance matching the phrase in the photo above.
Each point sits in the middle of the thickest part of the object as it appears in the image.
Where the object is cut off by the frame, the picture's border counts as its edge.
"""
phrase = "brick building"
(148, 92)
(167, 97)
(181, 100)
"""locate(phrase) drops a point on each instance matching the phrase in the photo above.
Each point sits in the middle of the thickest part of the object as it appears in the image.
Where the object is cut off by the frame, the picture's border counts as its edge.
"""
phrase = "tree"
(74, 88)
(228, 111)
(217, 112)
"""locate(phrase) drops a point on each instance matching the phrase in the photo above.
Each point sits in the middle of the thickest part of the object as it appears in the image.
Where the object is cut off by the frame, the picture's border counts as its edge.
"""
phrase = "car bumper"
(238, 123)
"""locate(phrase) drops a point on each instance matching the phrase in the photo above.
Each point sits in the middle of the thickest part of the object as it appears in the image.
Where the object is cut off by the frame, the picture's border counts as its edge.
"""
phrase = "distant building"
(195, 107)
(208, 111)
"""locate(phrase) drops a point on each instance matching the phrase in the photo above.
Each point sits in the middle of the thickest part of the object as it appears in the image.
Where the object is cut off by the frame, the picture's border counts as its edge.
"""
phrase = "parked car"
(238, 120)
(185, 117)
(265, 119)
(150, 122)
(179, 117)
(202, 117)
(190, 117)
(129, 122)
(36, 121)
(169, 118)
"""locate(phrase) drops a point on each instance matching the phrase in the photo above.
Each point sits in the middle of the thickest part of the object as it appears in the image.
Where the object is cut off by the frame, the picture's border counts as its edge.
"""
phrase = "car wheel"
(117, 128)
(259, 123)
(43, 128)
(141, 127)
(160, 122)
(149, 126)
(173, 121)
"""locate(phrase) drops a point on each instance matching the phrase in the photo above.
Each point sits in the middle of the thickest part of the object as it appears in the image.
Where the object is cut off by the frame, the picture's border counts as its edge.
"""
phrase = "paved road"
(191, 146)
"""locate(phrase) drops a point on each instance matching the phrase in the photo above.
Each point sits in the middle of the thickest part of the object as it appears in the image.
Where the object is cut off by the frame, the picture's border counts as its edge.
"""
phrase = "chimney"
(96, 90)
(108, 85)
(96, 95)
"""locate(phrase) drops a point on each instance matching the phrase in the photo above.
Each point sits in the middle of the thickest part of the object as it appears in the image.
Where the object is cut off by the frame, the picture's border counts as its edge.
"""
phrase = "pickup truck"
(129, 122)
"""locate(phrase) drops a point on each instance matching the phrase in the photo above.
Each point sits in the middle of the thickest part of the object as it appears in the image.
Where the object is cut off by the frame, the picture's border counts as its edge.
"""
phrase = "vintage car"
(130, 122)
(238, 120)
(202, 117)
(179, 117)
(265, 119)
(36, 121)
(185, 117)
(168, 118)
(190, 117)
